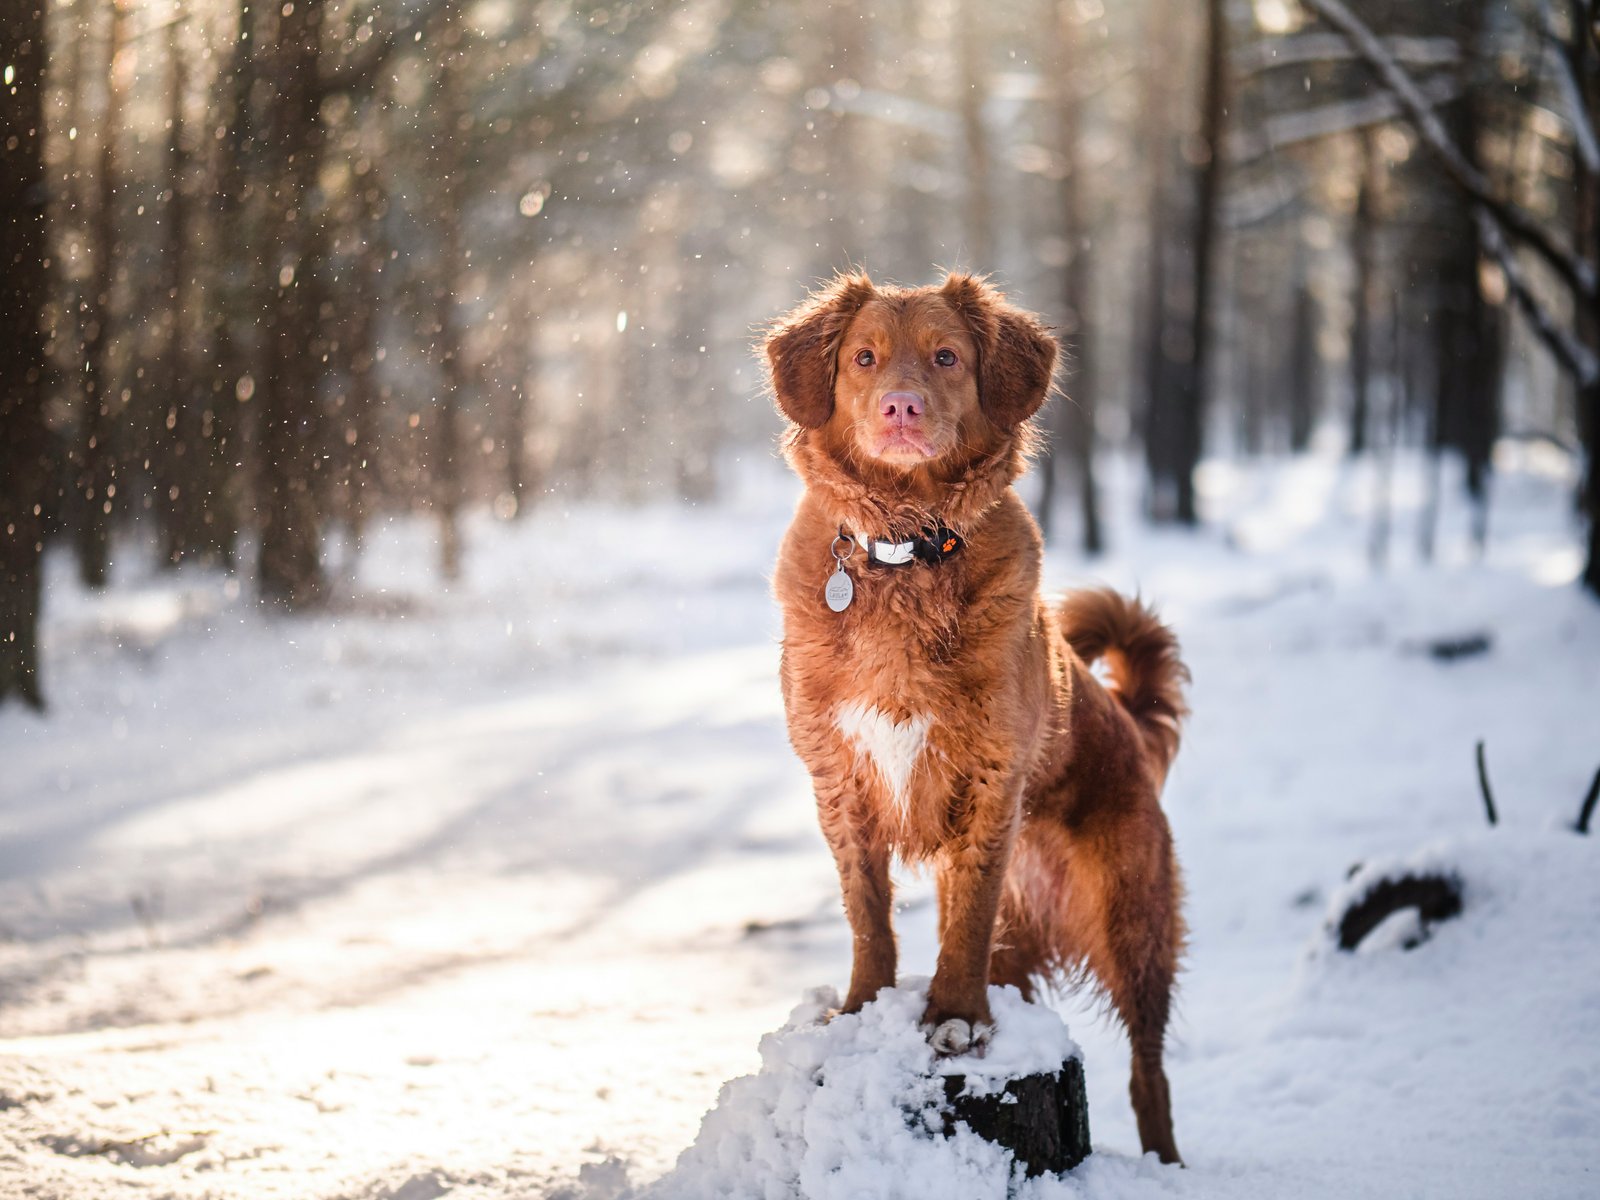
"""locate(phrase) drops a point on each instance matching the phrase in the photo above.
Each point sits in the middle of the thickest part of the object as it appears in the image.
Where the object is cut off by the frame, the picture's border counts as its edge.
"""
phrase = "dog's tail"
(1142, 655)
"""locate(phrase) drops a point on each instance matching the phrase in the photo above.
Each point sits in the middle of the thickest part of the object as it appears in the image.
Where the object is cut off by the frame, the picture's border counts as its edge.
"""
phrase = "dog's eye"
(865, 358)
(945, 357)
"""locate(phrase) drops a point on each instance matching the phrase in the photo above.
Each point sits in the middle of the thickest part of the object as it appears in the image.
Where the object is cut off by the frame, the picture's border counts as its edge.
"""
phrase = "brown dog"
(946, 714)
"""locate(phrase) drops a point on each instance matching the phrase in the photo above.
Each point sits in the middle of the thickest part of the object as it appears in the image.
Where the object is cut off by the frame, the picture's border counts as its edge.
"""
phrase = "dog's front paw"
(956, 1036)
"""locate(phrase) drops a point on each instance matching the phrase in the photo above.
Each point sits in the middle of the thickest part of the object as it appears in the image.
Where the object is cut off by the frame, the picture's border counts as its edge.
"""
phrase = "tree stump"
(1042, 1119)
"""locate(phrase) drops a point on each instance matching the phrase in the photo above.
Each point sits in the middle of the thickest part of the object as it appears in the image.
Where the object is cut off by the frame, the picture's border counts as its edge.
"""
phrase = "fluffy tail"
(1146, 673)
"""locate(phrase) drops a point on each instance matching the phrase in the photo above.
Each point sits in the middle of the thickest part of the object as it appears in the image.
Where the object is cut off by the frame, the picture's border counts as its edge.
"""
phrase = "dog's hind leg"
(1123, 917)
(1145, 1015)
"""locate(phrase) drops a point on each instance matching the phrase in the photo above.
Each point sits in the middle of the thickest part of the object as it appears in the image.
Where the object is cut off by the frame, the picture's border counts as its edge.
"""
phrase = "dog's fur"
(948, 715)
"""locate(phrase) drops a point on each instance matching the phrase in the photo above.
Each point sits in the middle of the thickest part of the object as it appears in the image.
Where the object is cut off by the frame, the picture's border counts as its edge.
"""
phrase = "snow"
(488, 891)
(852, 1108)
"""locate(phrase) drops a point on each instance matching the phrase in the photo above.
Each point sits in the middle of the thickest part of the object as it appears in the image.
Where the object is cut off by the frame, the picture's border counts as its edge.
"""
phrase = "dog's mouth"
(900, 444)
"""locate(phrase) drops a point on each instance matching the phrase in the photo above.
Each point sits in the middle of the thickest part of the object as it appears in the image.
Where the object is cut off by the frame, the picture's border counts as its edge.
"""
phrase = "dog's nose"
(906, 406)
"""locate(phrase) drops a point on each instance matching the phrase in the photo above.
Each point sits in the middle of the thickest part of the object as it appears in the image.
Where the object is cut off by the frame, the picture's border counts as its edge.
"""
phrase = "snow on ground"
(853, 1106)
(486, 891)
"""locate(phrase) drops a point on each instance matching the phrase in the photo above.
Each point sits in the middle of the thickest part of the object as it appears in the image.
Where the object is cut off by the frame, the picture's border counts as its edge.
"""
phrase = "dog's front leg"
(863, 862)
(971, 873)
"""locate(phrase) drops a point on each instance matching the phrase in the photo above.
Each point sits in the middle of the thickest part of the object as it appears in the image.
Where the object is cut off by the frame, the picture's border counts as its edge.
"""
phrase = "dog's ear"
(803, 348)
(1016, 352)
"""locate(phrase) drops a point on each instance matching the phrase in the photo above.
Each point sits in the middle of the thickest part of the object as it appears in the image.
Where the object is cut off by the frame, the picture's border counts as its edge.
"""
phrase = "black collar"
(931, 546)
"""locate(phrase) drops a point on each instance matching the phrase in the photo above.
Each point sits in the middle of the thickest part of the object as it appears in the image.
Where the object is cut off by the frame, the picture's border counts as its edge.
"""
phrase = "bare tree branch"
(1572, 354)
(1483, 784)
(1561, 52)
(1587, 810)
(1304, 48)
(1328, 120)
(1574, 272)
(1252, 206)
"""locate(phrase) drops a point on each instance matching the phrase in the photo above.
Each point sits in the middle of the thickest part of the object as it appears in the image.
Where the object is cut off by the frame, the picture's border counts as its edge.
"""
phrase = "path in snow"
(486, 893)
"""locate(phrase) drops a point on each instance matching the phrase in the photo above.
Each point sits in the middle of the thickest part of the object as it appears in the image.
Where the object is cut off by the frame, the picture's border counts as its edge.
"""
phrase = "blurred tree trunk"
(455, 124)
(233, 286)
(1589, 499)
(913, 214)
(96, 456)
(1388, 441)
(291, 569)
(1193, 392)
(1363, 298)
(1073, 417)
(24, 449)
(68, 205)
(1428, 517)
(973, 80)
(360, 441)
(1468, 342)
(1303, 375)
(521, 398)
(849, 171)
(1586, 238)
(1155, 344)
(181, 497)
(1253, 403)
(696, 433)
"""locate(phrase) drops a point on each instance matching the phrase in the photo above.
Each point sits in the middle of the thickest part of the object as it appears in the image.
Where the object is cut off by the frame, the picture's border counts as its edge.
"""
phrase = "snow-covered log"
(854, 1105)
(1043, 1119)
(1374, 894)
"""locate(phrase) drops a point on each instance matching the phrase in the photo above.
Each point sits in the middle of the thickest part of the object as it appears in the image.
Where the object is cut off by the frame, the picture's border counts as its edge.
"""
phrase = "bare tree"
(1160, 343)
(233, 287)
(973, 82)
(96, 455)
(1363, 237)
(1194, 389)
(361, 397)
(455, 123)
(843, 136)
(1303, 380)
(1073, 418)
(290, 570)
(181, 483)
(1502, 224)
(24, 451)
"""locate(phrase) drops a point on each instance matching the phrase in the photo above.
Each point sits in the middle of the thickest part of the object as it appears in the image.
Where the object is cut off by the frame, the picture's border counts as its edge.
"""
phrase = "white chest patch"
(893, 746)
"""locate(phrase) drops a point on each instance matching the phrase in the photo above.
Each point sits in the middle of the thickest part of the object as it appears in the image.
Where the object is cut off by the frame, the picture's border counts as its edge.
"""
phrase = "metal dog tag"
(841, 590)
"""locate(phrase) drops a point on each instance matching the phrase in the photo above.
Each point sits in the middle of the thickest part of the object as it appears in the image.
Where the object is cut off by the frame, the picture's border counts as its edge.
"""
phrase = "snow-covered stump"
(1042, 1119)
(856, 1106)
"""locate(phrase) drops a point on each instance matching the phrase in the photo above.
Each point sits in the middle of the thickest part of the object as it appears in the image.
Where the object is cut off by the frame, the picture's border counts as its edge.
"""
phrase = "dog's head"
(910, 378)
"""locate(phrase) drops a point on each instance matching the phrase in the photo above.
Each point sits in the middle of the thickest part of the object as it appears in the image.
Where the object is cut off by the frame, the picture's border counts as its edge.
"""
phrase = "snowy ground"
(486, 892)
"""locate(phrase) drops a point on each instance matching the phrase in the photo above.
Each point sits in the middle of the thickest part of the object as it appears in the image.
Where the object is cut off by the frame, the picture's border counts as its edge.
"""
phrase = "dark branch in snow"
(1587, 810)
(1483, 783)
(1577, 274)
(1566, 72)
(1572, 354)
(1435, 897)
